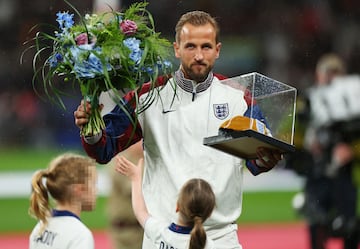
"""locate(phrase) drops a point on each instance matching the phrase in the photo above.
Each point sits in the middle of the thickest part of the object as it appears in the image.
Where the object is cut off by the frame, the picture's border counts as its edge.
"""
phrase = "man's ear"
(218, 48)
(176, 49)
(177, 208)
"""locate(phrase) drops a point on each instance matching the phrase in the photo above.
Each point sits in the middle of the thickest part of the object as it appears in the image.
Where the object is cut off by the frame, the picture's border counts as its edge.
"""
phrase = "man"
(328, 159)
(330, 189)
(173, 128)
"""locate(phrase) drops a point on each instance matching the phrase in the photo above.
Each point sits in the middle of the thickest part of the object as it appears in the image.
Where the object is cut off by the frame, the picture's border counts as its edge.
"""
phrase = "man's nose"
(199, 55)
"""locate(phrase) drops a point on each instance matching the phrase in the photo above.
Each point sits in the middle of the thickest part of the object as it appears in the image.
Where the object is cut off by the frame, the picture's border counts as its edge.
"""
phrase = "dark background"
(280, 39)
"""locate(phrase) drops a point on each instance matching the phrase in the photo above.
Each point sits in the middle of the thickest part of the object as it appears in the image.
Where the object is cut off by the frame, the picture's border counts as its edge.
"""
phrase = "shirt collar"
(190, 85)
(180, 229)
(59, 213)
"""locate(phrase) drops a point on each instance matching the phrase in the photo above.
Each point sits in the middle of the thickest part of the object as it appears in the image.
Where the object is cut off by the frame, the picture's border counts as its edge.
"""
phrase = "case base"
(245, 143)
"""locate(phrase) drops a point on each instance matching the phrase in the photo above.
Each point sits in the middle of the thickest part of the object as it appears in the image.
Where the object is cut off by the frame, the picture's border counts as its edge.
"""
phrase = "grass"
(258, 207)
(18, 159)
(15, 218)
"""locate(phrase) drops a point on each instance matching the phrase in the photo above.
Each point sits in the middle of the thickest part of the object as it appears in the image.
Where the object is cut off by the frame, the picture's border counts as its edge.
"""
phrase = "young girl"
(195, 204)
(71, 181)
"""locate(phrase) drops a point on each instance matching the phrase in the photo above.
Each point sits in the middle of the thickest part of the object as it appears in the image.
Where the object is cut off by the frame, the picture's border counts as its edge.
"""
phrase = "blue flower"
(54, 59)
(53, 62)
(164, 65)
(90, 46)
(79, 52)
(135, 56)
(167, 64)
(134, 45)
(59, 57)
(90, 67)
(148, 70)
(65, 20)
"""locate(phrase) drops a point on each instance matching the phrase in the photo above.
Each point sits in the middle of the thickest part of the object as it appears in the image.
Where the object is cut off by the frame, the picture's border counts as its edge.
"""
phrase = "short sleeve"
(85, 241)
(153, 229)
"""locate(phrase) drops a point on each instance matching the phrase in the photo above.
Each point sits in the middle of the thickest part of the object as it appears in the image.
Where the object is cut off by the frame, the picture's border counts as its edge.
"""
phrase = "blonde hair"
(196, 18)
(62, 172)
(331, 62)
(196, 203)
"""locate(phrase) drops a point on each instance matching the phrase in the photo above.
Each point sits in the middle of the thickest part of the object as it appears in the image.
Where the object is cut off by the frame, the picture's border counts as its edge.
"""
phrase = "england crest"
(221, 111)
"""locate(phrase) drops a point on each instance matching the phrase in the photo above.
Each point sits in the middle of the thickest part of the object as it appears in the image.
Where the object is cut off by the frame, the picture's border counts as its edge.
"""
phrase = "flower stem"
(96, 123)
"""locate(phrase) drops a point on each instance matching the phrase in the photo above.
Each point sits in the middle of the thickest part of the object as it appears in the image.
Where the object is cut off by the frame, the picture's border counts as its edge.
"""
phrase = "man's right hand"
(82, 114)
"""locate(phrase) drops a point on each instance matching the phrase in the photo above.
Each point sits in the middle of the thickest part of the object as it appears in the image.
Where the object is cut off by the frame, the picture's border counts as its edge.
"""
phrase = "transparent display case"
(269, 121)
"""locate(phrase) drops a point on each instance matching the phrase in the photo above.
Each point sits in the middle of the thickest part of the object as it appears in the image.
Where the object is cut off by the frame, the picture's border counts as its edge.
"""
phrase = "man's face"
(197, 50)
(326, 76)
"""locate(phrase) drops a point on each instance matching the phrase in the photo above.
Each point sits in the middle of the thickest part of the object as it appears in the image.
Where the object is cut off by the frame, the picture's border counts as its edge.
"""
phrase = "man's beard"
(198, 77)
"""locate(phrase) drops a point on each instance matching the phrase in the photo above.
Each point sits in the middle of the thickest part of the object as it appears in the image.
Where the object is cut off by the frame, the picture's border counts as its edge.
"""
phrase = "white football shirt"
(64, 230)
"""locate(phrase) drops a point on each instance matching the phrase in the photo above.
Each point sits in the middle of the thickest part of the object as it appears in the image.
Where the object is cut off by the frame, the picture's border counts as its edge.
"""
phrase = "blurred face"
(90, 191)
(197, 50)
(324, 77)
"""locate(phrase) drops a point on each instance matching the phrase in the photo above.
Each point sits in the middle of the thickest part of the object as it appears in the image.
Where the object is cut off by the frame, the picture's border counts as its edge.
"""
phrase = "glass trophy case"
(268, 121)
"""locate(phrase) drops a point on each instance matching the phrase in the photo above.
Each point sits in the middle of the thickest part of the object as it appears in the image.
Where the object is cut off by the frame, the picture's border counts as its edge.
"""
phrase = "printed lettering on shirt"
(221, 111)
(47, 237)
(164, 245)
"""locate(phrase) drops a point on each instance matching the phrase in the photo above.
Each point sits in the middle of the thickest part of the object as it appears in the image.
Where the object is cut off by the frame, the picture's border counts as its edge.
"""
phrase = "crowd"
(279, 39)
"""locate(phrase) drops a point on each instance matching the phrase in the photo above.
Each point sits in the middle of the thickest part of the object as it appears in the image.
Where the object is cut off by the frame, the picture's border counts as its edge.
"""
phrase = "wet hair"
(62, 172)
(196, 202)
(196, 18)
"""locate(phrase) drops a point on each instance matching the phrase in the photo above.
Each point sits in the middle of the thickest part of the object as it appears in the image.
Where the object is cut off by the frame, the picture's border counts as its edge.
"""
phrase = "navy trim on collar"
(180, 229)
(58, 213)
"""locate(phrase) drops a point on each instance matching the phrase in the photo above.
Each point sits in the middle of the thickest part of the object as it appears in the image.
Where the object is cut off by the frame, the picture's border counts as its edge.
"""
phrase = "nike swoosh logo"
(167, 111)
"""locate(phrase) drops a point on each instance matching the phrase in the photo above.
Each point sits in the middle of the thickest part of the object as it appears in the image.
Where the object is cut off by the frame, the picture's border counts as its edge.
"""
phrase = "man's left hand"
(267, 157)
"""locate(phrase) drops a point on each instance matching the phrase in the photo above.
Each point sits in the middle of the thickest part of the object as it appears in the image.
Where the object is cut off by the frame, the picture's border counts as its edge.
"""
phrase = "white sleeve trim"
(93, 139)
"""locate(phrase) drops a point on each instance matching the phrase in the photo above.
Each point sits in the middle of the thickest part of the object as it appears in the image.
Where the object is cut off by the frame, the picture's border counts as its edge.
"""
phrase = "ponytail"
(197, 235)
(196, 202)
(39, 199)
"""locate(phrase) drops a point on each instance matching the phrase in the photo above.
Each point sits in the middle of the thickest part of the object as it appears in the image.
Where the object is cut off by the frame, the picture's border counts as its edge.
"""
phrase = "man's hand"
(82, 114)
(268, 158)
(342, 154)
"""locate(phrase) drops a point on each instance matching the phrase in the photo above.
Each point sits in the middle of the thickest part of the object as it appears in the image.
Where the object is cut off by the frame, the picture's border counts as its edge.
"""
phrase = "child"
(195, 204)
(71, 180)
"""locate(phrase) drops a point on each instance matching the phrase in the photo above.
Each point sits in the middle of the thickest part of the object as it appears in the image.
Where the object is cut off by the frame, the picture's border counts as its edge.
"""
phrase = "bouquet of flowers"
(109, 51)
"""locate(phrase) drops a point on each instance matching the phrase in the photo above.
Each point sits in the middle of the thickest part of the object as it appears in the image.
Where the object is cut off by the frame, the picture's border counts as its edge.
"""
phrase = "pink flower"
(82, 39)
(128, 27)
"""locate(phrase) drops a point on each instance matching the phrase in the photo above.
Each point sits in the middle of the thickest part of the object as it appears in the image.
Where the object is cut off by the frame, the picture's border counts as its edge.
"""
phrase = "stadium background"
(280, 39)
